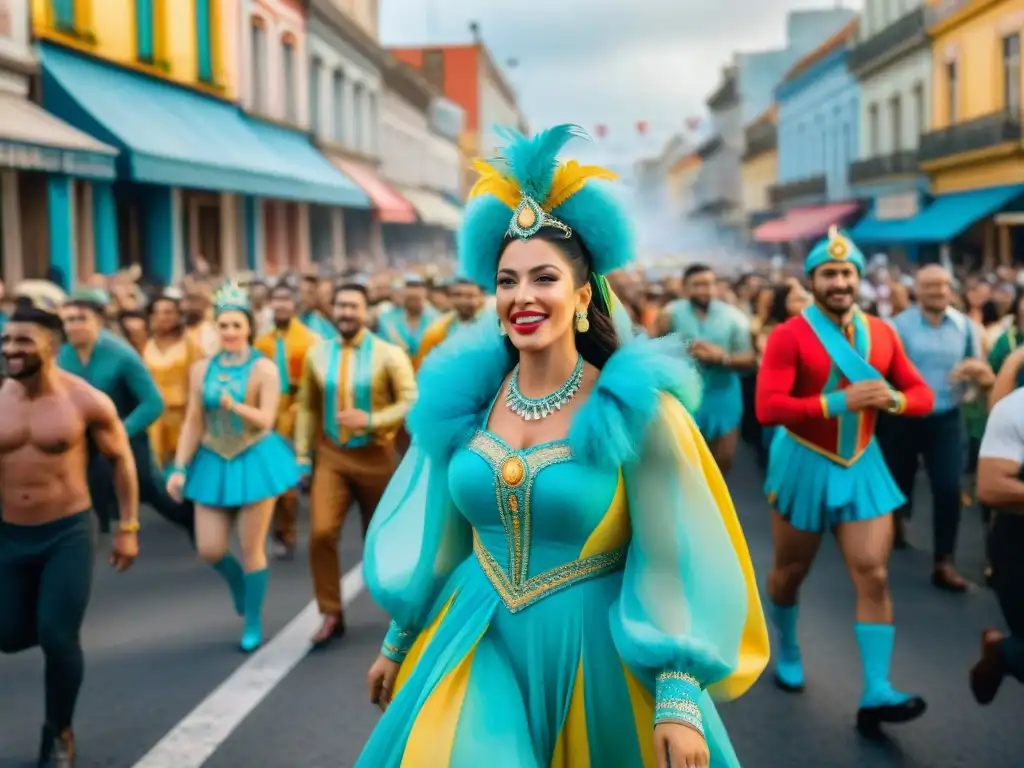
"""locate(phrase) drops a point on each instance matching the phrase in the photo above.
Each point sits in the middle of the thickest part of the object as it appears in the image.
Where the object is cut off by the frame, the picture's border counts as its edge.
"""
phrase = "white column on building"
(338, 255)
(349, 111)
(230, 250)
(10, 214)
(303, 258)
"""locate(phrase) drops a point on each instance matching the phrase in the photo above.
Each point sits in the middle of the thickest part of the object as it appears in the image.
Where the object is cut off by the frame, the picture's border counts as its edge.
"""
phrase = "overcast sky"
(610, 62)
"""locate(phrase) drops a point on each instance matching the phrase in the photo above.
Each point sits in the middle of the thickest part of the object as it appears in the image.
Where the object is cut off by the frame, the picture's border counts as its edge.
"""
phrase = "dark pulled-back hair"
(600, 341)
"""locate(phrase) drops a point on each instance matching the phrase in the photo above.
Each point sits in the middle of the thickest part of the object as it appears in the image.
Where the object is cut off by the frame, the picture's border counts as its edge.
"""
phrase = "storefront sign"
(896, 207)
(29, 157)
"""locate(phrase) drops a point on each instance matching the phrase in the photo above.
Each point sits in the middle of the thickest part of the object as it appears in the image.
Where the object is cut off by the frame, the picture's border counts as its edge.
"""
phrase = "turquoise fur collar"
(460, 379)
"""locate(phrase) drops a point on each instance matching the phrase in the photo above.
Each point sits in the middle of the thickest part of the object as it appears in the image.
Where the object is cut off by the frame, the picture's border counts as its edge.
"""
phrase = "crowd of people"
(537, 449)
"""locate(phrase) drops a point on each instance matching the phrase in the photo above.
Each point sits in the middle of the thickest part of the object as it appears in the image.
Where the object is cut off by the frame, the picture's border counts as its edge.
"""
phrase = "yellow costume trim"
(573, 744)
(753, 653)
(569, 179)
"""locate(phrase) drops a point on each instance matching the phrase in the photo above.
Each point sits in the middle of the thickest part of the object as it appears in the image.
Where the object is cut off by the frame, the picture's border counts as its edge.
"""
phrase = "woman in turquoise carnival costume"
(230, 462)
(566, 577)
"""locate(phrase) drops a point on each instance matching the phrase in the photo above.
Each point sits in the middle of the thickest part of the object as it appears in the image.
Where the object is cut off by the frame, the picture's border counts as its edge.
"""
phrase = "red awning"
(388, 204)
(804, 223)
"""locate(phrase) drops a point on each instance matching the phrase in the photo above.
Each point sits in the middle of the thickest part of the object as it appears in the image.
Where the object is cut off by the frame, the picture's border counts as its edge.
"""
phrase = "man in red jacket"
(825, 375)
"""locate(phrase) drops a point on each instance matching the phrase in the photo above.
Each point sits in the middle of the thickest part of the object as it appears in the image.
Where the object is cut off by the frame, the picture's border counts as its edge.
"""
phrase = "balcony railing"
(883, 166)
(760, 138)
(709, 147)
(971, 135)
(889, 42)
(812, 187)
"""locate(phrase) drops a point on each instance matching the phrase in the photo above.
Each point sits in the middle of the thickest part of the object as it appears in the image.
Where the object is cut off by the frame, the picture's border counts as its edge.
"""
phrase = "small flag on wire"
(641, 127)
(601, 130)
(692, 123)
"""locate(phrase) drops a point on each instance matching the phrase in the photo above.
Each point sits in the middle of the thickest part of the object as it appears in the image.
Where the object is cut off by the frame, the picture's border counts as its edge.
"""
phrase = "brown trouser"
(341, 476)
(286, 517)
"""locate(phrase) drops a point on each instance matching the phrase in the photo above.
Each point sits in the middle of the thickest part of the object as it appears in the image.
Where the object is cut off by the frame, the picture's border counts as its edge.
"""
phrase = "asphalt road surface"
(161, 639)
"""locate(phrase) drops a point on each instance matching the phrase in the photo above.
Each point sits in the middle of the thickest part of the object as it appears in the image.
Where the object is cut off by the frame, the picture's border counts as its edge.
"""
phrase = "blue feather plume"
(532, 161)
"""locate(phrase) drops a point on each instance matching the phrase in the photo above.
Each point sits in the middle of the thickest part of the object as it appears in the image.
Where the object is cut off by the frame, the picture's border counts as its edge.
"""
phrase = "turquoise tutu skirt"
(815, 494)
(264, 470)
(721, 410)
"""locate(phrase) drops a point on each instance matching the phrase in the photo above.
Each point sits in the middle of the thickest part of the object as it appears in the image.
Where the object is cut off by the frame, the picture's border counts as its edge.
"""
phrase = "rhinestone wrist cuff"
(676, 698)
(397, 643)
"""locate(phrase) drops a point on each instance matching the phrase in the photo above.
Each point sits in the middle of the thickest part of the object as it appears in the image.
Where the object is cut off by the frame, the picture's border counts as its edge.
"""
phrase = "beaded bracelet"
(676, 696)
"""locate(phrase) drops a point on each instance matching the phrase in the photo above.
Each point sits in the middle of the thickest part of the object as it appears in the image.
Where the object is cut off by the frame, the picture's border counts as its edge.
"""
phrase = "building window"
(371, 111)
(896, 115)
(205, 35)
(1011, 73)
(316, 71)
(144, 30)
(258, 73)
(291, 103)
(920, 119)
(873, 131)
(358, 94)
(64, 14)
(338, 103)
(952, 93)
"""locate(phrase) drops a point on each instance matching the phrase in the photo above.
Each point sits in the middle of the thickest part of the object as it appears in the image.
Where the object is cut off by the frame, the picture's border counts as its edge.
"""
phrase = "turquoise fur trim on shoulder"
(457, 384)
(609, 428)
(460, 379)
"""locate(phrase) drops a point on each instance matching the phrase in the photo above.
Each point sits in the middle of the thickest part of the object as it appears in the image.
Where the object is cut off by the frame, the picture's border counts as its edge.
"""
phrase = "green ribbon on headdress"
(600, 285)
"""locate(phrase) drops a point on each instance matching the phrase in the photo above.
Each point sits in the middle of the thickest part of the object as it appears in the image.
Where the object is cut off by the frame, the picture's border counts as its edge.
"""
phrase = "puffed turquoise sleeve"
(689, 616)
(415, 540)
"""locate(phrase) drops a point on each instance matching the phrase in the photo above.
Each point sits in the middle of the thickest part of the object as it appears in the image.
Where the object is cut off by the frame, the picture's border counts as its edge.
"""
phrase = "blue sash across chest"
(849, 363)
(360, 373)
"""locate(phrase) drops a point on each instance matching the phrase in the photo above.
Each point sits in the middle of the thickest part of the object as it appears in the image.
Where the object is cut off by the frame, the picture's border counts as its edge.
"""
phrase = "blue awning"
(946, 217)
(874, 231)
(174, 136)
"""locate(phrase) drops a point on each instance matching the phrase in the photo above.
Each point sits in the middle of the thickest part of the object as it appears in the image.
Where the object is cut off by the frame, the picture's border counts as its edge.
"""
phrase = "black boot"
(870, 719)
(56, 748)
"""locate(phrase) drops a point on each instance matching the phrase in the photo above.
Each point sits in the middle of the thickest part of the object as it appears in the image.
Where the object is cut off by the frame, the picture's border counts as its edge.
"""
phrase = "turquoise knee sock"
(876, 642)
(231, 571)
(789, 668)
(255, 591)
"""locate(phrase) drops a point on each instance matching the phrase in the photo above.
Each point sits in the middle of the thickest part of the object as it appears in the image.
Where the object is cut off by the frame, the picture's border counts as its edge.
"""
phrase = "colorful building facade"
(468, 75)
(56, 217)
(196, 176)
(759, 169)
(818, 137)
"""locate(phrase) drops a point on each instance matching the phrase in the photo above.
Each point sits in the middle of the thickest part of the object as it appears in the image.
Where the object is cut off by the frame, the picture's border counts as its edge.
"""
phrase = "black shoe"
(870, 719)
(56, 748)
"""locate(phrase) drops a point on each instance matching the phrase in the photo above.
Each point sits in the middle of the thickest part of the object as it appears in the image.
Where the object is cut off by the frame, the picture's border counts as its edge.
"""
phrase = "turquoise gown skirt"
(815, 494)
(264, 470)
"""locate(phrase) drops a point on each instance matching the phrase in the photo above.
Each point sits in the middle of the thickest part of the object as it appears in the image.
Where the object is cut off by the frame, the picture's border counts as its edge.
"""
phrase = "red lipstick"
(526, 322)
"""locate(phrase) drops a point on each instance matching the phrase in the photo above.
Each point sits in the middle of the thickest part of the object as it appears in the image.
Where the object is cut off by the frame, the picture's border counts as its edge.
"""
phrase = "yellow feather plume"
(493, 182)
(571, 178)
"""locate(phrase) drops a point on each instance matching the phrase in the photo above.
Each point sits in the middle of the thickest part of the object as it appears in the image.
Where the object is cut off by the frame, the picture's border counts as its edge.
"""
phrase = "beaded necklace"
(533, 409)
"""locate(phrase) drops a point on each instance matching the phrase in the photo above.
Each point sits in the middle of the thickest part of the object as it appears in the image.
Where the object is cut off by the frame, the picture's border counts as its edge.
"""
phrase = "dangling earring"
(501, 328)
(582, 324)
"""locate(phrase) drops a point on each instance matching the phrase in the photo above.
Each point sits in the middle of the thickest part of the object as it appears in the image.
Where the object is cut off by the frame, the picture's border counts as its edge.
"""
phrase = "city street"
(161, 639)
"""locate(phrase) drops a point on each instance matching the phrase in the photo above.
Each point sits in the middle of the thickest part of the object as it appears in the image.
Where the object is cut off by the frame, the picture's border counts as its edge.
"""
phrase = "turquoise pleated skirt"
(542, 688)
(721, 409)
(265, 470)
(815, 494)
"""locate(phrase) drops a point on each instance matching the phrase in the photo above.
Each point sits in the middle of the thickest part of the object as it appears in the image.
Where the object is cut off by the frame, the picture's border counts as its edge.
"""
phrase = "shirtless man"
(46, 539)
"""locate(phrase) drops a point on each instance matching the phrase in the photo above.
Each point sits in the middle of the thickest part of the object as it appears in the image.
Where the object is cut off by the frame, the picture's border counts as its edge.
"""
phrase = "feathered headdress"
(231, 296)
(527, 189)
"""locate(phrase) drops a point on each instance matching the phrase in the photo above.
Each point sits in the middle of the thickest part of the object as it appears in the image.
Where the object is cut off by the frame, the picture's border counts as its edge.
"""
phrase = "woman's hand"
(680, 746)
(175, 485)
(227, 402)
(380, 681)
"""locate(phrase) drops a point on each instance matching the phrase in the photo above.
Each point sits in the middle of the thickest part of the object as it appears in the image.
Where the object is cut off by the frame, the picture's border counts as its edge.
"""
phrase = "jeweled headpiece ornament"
(835, 247)
(527, 189)
(231, 296)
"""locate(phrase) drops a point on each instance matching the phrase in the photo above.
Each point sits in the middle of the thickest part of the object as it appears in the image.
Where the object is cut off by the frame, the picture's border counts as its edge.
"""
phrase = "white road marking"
(192, 741)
